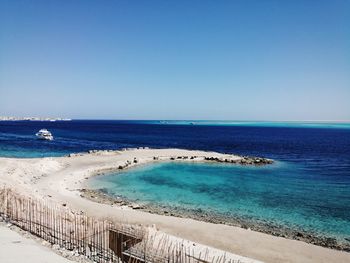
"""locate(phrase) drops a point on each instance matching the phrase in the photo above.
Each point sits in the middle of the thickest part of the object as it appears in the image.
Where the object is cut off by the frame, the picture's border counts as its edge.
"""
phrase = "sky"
(193, 59)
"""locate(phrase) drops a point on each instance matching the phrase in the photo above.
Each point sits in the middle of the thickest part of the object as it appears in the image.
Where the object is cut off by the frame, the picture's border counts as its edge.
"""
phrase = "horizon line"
(148, 119)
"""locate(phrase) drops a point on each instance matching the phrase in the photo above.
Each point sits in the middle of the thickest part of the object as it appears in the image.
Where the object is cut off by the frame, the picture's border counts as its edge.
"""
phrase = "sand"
(60, 179)
(15, 248)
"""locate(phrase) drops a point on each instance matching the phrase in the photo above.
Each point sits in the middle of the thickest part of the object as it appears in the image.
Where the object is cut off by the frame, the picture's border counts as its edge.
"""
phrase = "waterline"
(280, 195)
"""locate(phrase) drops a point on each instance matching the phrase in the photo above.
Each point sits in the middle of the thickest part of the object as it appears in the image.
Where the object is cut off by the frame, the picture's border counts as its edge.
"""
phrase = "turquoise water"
(279, 194)
(280, 124)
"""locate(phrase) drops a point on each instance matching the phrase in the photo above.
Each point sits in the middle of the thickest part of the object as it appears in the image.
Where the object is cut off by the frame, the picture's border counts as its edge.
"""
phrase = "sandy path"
(15, 248)
(61, 177)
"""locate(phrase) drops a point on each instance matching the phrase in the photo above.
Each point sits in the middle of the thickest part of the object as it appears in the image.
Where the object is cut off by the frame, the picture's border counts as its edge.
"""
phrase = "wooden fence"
(99, 240)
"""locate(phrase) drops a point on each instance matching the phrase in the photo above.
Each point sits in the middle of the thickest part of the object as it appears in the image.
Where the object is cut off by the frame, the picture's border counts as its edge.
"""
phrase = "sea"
(307, 187)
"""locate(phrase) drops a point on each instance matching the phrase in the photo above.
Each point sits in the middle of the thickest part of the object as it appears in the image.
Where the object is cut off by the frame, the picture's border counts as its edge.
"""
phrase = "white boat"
(44, 134)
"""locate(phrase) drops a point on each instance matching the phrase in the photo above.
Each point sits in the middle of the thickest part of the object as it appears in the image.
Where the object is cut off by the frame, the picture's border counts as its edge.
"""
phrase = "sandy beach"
(61, 179)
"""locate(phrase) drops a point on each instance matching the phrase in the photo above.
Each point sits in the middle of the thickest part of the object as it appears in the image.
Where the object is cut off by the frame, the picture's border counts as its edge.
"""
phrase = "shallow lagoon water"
(278, 194)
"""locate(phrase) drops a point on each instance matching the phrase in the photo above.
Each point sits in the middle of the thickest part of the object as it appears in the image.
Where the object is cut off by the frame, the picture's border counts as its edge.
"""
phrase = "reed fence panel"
(99, 240)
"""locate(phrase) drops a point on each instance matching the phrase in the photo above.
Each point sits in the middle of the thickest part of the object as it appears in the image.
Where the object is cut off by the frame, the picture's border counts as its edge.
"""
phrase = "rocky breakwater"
(245, 160)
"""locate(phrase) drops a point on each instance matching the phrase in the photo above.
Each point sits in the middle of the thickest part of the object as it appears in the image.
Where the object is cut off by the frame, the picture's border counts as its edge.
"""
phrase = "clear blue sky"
(233, 60)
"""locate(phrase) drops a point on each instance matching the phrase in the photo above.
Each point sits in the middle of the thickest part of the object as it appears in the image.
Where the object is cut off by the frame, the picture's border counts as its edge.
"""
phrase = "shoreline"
(100, 196)
(60, 179)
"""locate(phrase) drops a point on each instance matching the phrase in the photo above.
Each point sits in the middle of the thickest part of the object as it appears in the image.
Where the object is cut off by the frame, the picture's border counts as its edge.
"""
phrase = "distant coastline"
(11, 118)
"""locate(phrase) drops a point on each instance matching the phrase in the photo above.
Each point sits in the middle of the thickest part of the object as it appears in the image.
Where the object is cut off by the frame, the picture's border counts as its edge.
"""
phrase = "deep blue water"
(308, 186)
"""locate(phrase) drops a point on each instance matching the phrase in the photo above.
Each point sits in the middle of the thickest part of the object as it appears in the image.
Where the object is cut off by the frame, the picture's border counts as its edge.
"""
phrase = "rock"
(135, 206)
(45, 243)
(299, 234)
(65, 254)
(55, 247)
